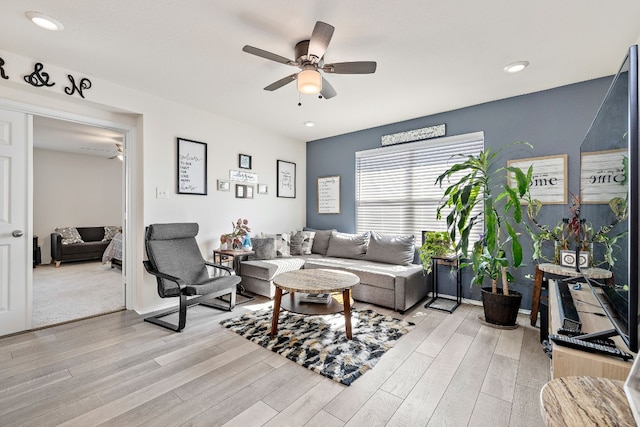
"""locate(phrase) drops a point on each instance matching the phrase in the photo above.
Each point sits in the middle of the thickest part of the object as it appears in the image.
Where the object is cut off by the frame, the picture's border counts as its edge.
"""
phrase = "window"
(395, 186)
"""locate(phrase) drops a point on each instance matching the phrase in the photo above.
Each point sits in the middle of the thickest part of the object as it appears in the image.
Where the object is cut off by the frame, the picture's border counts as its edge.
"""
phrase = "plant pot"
(500, 309)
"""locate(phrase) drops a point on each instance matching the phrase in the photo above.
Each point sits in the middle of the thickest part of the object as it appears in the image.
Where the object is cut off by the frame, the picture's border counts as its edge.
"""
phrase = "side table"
(445, 304)
(233, 258)
(566, 272)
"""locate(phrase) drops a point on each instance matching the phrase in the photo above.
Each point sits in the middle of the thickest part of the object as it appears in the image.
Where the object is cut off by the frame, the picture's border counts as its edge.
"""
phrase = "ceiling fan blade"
(267, 55)
(327, 91)
(320, 39)
(277, 85)
(358, 67)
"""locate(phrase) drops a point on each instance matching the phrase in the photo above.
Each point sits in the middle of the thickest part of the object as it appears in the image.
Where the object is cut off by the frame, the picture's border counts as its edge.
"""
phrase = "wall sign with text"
(329, 194)
(603, 176)
(192, 167)
(549, 181)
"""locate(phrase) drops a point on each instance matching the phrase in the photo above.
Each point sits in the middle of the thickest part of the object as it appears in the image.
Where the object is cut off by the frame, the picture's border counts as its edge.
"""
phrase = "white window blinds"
(395, 186)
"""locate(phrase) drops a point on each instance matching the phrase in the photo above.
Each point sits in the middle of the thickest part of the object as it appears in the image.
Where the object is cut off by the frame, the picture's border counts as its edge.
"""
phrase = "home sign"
(40, 78)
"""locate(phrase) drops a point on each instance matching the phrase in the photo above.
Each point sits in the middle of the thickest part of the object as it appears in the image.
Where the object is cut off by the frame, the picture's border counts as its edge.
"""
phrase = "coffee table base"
(293, 305)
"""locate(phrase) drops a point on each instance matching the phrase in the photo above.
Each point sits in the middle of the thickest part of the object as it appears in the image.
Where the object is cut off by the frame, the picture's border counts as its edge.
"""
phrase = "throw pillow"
(110, 231)
(391, 248)
(307, 241)
(296, 244)
(264, 248)
(283, 245)
(345, 245)
(69, 235)
(321, 242)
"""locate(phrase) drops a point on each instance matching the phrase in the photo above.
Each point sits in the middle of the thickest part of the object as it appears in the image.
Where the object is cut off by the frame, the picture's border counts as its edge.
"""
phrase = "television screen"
(609, 184)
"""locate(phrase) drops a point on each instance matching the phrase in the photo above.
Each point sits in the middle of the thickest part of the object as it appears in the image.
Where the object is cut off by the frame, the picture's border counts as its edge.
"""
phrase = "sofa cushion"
(345, 245)
(69, 235)
(283, 244)
(85, 248)
(370, 273)
(267, 269)
(321, 241)
(391, 248)
(264, 248)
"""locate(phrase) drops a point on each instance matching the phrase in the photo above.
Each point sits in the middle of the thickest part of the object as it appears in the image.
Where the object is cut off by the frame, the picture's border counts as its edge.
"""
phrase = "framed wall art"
(286, 174)
(329, 194)
(549, 181)
(603, 176)
(223, 185)
(192, 167)
(263, 189)
(240, 191)
(244, 161)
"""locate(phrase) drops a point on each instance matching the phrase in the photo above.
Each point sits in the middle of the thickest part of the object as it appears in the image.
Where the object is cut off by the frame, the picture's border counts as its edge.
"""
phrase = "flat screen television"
(609, 169)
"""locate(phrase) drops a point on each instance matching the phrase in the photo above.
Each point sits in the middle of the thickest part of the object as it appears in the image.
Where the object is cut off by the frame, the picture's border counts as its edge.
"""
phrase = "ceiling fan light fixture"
(44, 21)
(309, 82)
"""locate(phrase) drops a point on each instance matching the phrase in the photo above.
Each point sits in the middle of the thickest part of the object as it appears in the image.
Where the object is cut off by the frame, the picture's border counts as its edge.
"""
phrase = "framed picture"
(244, 161)
(286, 174)
(263, 189)
(248, 191)
(240, 191)
(223, 185)
(603, 176)
(329, 194)
(549, 181)
(192, 167)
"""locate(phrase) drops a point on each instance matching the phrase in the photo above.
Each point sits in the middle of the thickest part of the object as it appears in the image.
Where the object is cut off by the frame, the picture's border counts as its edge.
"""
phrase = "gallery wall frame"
(244, 191)
(549, 177)
(603, 176)
(223, 185)
(328, 190)
(191, 167)
(286, 175)
(263, 189)
(244, 161)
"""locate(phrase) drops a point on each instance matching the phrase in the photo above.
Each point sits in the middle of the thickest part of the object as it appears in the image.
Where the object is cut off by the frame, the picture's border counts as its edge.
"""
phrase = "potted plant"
(475, 179)
(436, 244)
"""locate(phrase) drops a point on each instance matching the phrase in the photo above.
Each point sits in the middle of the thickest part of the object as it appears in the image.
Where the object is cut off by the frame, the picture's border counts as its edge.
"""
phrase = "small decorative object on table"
(315, 298)
(235, 239)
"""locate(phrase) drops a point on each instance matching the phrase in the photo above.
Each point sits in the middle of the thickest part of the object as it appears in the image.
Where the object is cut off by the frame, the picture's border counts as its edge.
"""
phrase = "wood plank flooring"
(116, 370)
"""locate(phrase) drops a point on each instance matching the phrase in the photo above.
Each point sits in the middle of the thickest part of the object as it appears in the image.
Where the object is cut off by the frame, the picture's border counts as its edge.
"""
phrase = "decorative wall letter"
(2, 74)
(38, 78)
(85, 83)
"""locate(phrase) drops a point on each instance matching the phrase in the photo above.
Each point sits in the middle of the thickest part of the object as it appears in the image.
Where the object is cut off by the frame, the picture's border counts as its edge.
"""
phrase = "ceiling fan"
(119, 151)
(309, 56)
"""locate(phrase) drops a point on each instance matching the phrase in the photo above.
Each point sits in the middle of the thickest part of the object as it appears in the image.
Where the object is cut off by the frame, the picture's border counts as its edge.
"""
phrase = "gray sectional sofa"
(389, 269)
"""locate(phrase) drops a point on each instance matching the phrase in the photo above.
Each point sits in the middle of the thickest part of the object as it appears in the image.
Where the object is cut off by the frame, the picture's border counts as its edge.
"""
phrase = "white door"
(15, 140)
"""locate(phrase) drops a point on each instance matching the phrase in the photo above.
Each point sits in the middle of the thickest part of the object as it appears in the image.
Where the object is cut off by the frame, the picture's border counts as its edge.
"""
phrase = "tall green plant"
(474, 180)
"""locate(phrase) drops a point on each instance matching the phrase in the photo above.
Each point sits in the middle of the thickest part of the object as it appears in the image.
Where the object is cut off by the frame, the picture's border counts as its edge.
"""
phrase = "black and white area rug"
(319, 343)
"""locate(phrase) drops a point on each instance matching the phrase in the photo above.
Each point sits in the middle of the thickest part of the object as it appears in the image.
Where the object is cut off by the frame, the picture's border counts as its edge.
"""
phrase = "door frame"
(130, 182)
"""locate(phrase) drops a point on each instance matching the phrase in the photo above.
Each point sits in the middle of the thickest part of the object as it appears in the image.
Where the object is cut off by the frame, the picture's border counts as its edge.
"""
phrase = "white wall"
(74, 190)
(158, 124)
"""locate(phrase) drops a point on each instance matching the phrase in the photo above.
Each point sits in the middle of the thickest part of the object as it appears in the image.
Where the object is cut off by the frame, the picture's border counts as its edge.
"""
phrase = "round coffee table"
(313, 281)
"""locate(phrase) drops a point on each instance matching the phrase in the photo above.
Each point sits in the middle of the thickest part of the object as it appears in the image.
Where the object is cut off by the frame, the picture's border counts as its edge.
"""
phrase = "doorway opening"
(78, 190)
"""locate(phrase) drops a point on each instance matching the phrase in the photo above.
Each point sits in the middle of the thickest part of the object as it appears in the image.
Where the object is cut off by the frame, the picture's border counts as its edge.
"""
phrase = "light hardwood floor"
(118, 370)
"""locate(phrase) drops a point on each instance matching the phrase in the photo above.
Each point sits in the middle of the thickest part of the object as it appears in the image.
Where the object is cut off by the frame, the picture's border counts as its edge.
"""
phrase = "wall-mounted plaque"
(192, 167)
(603, 176)
(549, 181)
(329, 194)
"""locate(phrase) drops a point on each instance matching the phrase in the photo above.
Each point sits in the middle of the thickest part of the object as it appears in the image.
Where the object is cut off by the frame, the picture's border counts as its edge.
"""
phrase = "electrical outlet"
(161, 193)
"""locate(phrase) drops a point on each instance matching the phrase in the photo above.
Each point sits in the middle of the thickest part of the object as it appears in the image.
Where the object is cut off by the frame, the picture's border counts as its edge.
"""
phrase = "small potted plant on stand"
(474, 180)
(436, 244)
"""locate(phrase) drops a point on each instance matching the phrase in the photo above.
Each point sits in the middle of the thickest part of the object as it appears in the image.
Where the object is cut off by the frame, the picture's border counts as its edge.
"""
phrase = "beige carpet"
(75, 290)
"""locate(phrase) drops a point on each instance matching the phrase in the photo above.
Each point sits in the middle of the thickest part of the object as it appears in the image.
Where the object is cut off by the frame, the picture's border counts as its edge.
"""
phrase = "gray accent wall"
(554, 121)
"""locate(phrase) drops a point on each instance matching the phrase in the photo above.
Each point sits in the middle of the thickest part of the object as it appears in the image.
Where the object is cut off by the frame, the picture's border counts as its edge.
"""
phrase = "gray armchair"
(180, 270)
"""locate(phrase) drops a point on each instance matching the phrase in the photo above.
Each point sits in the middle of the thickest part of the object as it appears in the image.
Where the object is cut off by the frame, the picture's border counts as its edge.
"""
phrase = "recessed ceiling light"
(45, 21)
(515, 67)
(309, 123)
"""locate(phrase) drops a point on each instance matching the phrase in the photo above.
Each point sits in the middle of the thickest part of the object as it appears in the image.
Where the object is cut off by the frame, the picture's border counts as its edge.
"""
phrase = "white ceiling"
(432, 56)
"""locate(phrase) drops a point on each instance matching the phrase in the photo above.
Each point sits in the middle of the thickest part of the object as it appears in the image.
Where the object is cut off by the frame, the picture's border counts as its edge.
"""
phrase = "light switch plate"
(161, 193)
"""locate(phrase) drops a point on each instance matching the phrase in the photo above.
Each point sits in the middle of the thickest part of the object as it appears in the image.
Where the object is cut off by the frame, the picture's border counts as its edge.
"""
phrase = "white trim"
(129, 185)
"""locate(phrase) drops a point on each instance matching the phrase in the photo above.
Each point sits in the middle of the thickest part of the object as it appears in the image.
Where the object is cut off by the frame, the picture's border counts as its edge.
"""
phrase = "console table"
(567, 272)
(585, 401)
